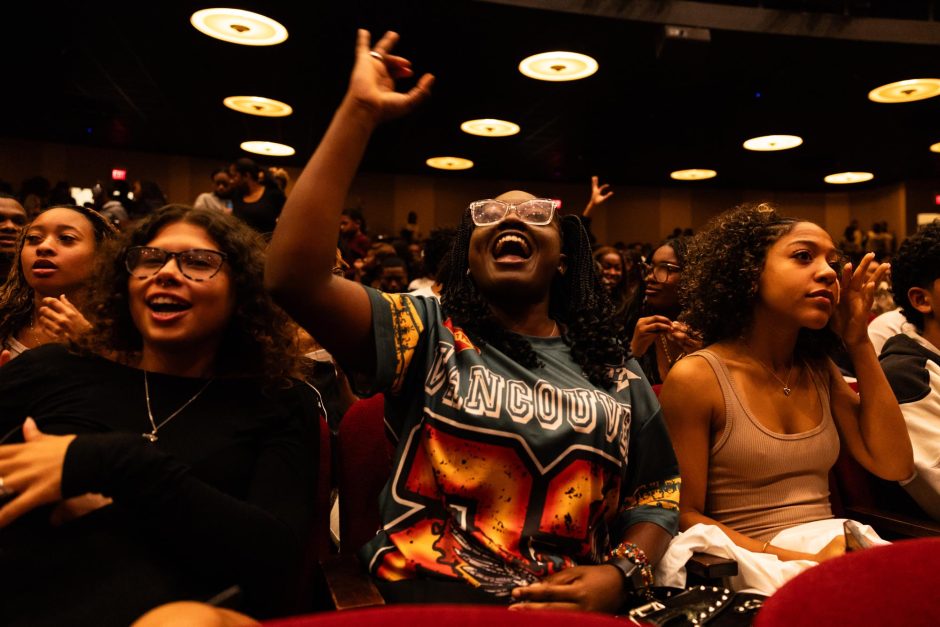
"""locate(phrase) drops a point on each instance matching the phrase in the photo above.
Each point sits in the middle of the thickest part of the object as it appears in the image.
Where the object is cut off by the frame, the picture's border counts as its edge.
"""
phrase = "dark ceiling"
(140, 77)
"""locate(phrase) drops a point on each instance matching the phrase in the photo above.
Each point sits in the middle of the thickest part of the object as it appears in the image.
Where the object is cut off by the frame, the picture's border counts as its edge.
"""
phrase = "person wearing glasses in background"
(515, 406)
(659, 339)
(169, 455)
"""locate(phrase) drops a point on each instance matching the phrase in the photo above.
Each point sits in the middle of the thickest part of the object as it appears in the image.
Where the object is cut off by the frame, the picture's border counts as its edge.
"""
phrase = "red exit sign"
(118, 174)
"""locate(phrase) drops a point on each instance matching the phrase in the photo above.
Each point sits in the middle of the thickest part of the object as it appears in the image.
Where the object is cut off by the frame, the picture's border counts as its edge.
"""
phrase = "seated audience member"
(886, 326)
(255, 199)
(911, 360)
(12, 221)
(659, 340)
(353, 241)
(220, 198)
(759, 415)
(515, 405)
(180, 465)
(393, 275)
(436, 250)
(623, 286)
(42, 300)
(148, 197)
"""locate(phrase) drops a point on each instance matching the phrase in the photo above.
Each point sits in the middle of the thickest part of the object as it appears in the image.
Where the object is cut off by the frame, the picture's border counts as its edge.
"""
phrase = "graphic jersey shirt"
(503, 475)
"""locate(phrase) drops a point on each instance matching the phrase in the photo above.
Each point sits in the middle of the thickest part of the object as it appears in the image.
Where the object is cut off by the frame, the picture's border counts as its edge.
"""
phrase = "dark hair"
(394, 262)
(436, 248)
(679, 245)
(247, 166)
(723, 265)
(16, 295)
(356, 215)
(578, 300)
(258, 340)
(917, 264)
(218, 171)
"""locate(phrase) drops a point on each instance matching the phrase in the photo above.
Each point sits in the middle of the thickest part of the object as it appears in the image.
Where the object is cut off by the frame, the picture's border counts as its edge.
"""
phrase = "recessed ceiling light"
(935, 147)
(488, 127)
(906, 91)
(844, 178)
(769, 143)
(558, 66)
(239, 27)
(258, 105)
(693, 175)
(271, 149)
(449, 163)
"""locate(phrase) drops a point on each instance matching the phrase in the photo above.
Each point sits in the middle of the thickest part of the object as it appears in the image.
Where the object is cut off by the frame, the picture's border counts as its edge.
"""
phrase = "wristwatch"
(632, 573)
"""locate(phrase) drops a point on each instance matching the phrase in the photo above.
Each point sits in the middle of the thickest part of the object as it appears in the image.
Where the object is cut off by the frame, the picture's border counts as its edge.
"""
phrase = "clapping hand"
(372, 84)
(61, 320)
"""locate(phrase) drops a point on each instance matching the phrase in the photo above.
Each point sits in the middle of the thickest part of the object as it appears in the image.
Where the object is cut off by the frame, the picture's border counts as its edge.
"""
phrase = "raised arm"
(301, 254)
(870, 423)
(691, 418)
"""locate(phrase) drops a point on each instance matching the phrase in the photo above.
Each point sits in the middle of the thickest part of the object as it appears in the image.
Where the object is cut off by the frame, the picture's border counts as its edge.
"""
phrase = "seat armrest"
(892, 524)
(349, 584)
(707, 566)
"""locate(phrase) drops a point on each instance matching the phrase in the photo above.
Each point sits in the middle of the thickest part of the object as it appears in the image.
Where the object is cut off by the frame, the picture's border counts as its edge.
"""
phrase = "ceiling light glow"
(906, 91)
(449, 163)
(239, 27)
(258, 105)
(846, 178)
(768, 143)
(694, 174)
(489, 127)
(558, 66)
(935, 147)
(270, 149)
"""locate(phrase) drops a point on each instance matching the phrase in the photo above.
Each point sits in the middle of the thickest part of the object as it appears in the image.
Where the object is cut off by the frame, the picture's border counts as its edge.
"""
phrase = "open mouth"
(164, 304)
(44, 264)
(510, 247)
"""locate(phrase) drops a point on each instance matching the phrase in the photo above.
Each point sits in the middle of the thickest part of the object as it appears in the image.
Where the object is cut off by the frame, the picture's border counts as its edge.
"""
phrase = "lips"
(167, 307)
(511, 247)
(44, 268)
(823, 295)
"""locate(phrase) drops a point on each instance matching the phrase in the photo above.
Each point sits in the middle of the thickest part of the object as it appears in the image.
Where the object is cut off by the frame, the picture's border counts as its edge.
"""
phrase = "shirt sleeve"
(651, 491)
(399, 323)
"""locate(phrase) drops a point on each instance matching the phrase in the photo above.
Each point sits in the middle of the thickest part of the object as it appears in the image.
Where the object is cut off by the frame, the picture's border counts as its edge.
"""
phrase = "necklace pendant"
(786, 391)
(150, 437)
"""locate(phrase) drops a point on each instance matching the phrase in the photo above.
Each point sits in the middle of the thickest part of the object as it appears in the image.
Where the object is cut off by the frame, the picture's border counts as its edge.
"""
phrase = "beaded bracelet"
(630, 551)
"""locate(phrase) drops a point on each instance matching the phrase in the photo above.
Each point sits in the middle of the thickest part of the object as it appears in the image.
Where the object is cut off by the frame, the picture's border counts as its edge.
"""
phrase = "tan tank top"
(761, 482)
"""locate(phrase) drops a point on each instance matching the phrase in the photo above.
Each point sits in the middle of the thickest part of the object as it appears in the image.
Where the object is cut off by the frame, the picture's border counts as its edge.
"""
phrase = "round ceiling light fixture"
(846, 178)
(769, 143)
(489, 127)
(449, 163)
(694, 174)
(935, 147)
(906, 91)
(270, 149)
(258, 105)
(558, 66)
(239, 27)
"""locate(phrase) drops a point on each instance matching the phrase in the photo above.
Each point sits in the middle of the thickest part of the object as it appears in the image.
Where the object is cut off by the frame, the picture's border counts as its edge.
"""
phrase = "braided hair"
(578, 301)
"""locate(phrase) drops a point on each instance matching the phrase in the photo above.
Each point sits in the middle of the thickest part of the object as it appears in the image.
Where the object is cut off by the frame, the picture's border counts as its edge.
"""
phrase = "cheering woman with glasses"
(168, 456)
(513, 402)
(659, 339)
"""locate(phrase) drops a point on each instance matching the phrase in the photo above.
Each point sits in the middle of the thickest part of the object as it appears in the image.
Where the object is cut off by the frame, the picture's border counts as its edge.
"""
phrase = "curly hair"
(719, 283)
(917, 264)
(16, 295)
(259, 339)
(578, 300)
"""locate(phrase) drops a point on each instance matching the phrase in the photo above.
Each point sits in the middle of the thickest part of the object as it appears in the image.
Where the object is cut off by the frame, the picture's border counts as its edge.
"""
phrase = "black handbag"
(700, 605)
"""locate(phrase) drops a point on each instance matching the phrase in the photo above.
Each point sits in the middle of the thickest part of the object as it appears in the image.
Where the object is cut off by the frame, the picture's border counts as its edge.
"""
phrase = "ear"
(562, 264)
(921, 300)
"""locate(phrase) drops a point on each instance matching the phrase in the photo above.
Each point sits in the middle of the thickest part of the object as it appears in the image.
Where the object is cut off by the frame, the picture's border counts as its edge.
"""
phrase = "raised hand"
(372, 84)
(857, 293)
(599, 196)
(32, 471)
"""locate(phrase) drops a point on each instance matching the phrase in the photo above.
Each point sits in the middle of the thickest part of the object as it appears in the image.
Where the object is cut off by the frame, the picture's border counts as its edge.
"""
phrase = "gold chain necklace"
(152, 436)
(785, 384)
(662, 339)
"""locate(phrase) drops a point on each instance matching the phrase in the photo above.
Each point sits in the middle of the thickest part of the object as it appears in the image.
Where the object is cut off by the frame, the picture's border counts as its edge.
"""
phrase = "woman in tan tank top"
(757, 418)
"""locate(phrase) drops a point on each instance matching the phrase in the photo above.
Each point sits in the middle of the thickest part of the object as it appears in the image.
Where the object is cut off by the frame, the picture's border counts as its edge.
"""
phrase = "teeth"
(509, 237)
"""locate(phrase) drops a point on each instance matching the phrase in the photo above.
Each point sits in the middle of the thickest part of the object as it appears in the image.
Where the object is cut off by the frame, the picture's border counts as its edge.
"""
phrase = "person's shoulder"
(691, 383)
(904, 363)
